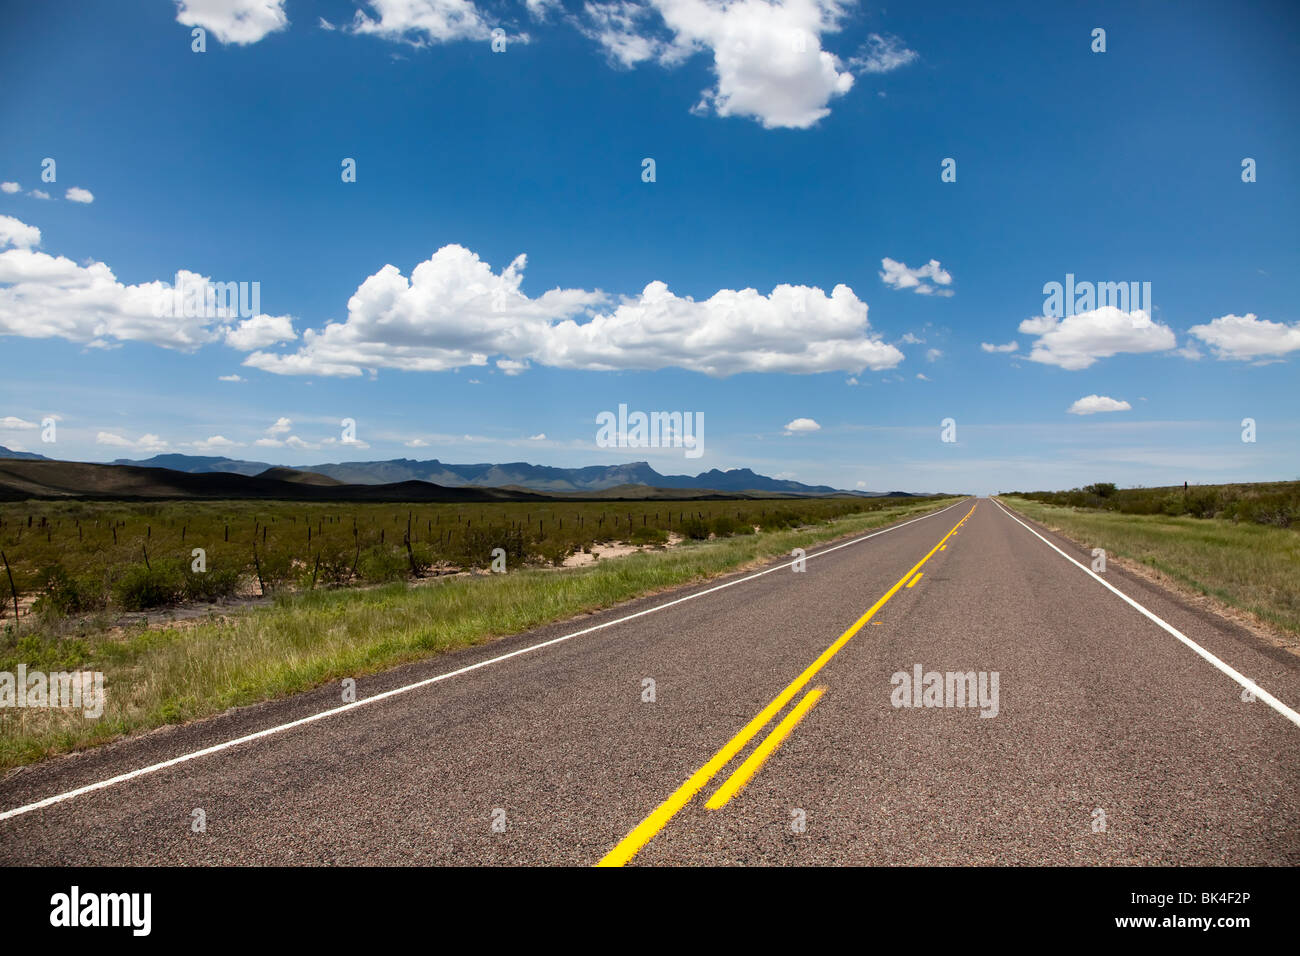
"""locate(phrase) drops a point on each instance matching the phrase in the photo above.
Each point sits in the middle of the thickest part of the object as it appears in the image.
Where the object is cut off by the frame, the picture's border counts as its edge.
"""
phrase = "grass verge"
(1250, 567)
(171, 675)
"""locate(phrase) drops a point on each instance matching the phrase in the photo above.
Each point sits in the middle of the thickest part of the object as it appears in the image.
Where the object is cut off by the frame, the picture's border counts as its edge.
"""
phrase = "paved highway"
(1097, 730)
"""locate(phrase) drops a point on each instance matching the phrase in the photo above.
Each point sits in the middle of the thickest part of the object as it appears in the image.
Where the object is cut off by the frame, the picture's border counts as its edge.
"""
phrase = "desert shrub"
(211, 585)
(1102, 489)
(62, 594)
(724, 526)
(278, 568)
(511, 541)
(384, 564)
(1172, 505)
(779, 520)
(425, 556)
(1142, 504)
(1270, 510)
(695, 529)
(553, 550)
(1202, 503)
(1270, 503)
(139, 588)
(473, 547)
(335, 565)
(648, 535)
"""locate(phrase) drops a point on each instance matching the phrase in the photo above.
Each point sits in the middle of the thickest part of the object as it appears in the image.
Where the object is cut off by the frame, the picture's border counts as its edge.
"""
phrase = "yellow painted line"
(754, 762)
(915, 579)
(647, 829)
(944, 548)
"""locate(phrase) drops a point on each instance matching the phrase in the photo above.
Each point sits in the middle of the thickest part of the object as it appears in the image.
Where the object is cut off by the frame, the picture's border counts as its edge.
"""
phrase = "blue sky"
(795, 144)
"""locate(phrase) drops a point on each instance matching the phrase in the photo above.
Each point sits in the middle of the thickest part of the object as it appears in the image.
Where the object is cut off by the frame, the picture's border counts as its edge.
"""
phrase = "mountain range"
(516, 474)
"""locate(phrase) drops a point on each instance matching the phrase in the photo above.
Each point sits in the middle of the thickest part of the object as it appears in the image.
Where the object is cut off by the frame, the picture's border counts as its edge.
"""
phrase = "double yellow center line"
(646, 830)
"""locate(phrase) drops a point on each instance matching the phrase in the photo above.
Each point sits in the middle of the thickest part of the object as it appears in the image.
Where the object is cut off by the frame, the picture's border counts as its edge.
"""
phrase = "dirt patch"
(25, 602)
(617, 549)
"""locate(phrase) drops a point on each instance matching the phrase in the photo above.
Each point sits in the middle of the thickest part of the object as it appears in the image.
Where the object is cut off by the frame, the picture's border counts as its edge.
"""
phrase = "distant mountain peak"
(21, 455)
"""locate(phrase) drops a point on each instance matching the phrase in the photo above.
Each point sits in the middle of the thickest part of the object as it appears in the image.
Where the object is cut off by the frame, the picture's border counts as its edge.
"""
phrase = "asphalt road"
(1113, 742)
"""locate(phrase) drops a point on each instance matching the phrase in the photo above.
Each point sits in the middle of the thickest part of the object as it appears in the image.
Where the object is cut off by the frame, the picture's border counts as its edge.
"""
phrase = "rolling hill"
(21, 479)
(21, 455)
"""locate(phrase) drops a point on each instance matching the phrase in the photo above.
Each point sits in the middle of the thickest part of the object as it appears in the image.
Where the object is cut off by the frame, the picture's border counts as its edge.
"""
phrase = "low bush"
(648, 535)
(695, 529)
(389, 564)
(1266, 503)
(211, 585)
(62, 594)
(140, 588)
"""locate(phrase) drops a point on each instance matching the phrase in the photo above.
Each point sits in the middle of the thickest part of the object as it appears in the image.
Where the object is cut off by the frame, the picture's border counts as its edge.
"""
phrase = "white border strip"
(154, 768)
(1236, 675)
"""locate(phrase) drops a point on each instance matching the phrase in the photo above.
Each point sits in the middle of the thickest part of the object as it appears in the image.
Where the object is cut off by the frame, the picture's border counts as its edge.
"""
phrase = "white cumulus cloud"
(1247, 337)
(1009, 347)
(215, 443)
(1092, 404)
(18, 234)
(929, 279)
(768, 62)
(455, 311)
(1077, 341)
(45, 296)
(794, 329)
(10, 187)
(77, 194)
(237, 22)
(420, 22)
(261, 331)
(146, 442)
(801, 426)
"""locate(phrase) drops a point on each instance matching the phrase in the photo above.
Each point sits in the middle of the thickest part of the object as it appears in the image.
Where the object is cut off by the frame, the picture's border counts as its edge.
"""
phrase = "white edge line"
(215, 748)
(1232, 672)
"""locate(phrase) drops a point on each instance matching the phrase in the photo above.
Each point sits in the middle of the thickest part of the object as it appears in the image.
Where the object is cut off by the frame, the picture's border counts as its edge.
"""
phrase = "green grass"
(164, 676)
(1253, 567)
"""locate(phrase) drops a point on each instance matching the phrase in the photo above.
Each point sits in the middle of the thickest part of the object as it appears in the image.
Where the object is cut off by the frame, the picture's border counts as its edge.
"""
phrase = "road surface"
(770, 734)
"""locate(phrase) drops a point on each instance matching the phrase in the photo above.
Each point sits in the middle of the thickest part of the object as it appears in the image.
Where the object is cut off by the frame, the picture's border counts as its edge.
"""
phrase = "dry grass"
(1251, 567)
